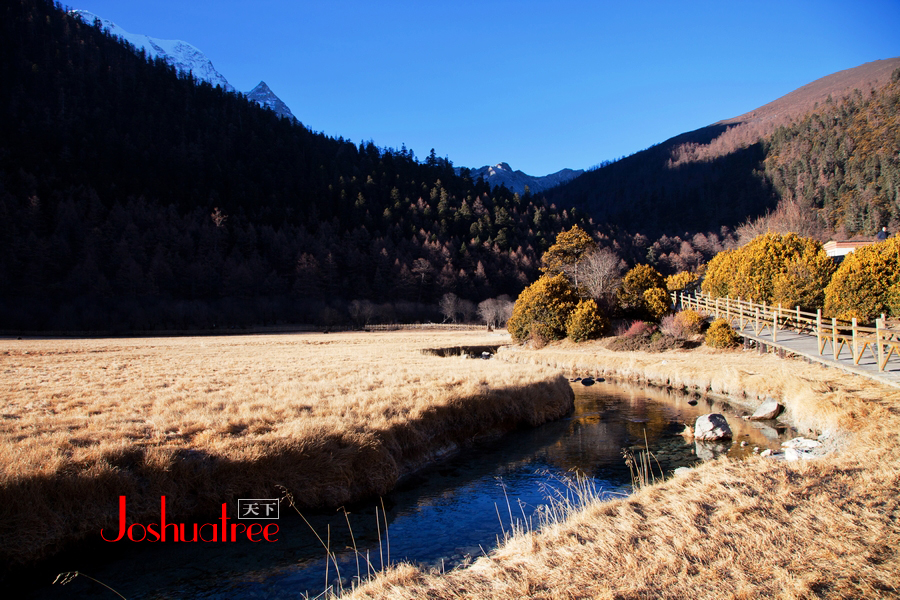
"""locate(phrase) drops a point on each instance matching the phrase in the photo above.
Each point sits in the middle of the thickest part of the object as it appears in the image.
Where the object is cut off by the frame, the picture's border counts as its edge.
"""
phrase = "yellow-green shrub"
(719, 272)
(690, 320)
(867, 283)
(774, 268)
(657, 302)
(637, 281)
(586, 322)
(721, 335)
(681, 280)
(542, 309)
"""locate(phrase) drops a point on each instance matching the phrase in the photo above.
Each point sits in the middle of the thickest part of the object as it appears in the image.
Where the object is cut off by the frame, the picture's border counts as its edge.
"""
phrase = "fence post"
(834, 341)
(775, 315)
(798, 319)
(879, 324)
(756, 328)
(819, 343)
(855, 344)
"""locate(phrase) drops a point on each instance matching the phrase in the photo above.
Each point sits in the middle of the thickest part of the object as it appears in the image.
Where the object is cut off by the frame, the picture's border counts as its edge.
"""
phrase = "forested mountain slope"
(843, 161)
(132, 197)
(724, 174)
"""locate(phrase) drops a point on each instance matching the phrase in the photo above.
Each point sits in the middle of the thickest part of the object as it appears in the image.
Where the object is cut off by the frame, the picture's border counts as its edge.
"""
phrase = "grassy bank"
(332, 418)
(729, 529)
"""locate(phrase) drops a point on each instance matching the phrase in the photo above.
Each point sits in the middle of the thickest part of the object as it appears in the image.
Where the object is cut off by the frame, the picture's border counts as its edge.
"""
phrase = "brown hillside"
(868, 76)
(747, 129)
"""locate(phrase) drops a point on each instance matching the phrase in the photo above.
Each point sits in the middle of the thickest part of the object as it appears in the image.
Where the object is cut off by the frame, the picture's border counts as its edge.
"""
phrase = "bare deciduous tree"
(495, 312)
(505, 306)
(467, 310)
(487, 310)
(601, 274)
(450, 307)
(362, 311)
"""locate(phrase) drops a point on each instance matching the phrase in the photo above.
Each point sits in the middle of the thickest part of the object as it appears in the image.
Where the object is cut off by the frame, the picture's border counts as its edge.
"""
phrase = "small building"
(838, 250)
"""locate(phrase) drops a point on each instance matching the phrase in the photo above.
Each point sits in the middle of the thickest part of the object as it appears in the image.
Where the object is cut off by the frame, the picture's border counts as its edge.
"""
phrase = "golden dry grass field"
(332, 418)
(757, 528)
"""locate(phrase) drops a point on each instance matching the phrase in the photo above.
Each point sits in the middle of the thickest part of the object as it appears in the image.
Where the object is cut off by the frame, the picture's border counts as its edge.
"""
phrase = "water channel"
(439, 517)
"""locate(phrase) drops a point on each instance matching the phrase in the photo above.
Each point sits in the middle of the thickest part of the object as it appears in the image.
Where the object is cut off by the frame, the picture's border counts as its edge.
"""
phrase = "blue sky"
(540, 85)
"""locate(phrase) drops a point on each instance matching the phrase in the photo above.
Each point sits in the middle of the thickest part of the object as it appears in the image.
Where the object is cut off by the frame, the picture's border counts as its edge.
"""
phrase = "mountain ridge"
(713, 176)
(516, 180)
(186, 58)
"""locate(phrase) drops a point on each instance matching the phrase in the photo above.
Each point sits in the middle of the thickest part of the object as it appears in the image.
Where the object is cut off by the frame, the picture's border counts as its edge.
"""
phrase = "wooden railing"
(882, 341)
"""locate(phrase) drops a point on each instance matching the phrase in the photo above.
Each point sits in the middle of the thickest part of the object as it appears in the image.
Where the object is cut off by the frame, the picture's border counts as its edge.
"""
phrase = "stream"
(439, 517)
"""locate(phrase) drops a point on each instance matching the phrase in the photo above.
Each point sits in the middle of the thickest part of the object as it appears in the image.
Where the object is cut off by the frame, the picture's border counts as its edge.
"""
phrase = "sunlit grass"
(752, 528)
(332, 418)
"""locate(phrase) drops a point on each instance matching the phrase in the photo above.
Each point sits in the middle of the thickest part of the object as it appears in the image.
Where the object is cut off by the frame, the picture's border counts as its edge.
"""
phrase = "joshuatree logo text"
(222, 530)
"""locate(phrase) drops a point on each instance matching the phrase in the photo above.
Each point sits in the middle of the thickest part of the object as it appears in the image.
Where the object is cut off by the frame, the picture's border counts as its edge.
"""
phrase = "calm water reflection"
(437, 517)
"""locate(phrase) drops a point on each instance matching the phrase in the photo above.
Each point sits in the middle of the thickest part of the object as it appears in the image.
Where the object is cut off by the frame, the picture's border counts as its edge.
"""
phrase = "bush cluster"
(586, 322)
(657, 303)
(682, 325)
(867, 283)
(542, 309)
(643, 293)
(775, 268)
(721, 335)
(681, 280)
(691, 320)
(643, 336)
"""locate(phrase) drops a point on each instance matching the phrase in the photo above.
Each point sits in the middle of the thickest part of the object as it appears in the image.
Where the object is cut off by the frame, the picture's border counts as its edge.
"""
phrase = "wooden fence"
(432, 326)
(882, 341)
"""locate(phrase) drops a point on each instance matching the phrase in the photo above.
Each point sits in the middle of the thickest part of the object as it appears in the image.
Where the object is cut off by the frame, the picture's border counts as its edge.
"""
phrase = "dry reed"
(331, 418)
(728, 529)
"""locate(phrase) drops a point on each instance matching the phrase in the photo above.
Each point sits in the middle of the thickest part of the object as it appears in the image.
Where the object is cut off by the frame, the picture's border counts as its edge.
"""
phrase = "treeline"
(843, 160)
(133, 197)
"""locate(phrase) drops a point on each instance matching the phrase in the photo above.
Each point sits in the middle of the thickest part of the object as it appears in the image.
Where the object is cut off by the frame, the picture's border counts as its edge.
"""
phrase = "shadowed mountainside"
(713, 176)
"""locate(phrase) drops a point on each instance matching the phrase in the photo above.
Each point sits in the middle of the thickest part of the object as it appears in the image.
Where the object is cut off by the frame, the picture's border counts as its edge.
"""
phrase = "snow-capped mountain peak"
(179, 54)
(188, 59)
(264, 96)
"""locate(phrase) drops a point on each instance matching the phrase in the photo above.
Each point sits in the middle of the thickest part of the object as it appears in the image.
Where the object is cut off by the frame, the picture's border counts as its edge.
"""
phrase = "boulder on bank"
(802, 443)
(587, 381)
(711, 427)
(767, 410)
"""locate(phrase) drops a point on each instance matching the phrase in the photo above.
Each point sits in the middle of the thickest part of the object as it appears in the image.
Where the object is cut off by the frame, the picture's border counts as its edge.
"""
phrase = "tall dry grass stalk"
(729, 529)
(332, 418)
(643, 473)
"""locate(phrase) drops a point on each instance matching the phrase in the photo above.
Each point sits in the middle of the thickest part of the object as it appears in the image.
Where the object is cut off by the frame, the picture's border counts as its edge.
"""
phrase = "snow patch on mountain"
(188, 59)
(503, 174)
(179, 54)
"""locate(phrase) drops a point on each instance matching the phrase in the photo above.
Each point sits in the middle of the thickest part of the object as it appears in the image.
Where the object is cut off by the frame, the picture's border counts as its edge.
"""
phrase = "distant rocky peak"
(515, 180)
(263, 95)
